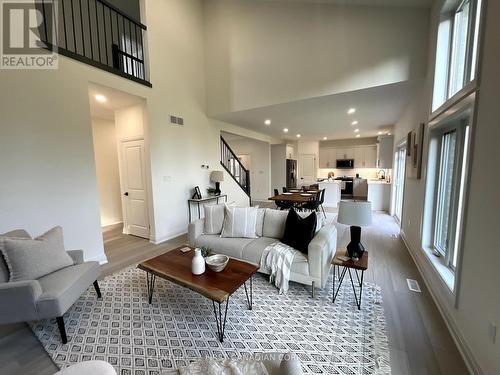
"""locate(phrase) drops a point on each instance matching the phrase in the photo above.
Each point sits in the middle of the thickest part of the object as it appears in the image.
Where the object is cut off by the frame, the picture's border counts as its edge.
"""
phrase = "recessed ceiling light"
(379, 133)
(356, 130)
(298, 135)
(350, 111)
(355, 122)
(267, 122)
(285, 130)
(324, 138)
(357, 136)
(389, 133)
(100, 98)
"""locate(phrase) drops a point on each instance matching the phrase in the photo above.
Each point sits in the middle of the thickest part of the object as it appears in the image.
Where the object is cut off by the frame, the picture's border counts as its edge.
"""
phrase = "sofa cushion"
(274, 223)
(299, 231)
(240, 222)
(253, 251)
(17, 233)
(259, 225)
(232, 247)
(31, 259)
(62, 288)
(214, 218)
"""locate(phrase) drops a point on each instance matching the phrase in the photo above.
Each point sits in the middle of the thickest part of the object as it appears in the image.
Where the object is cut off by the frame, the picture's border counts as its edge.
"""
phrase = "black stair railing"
(233, 166)
(99, 34)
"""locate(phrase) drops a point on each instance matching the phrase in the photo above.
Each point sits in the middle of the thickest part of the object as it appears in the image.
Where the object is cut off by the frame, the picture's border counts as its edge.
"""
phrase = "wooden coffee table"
(175, 266)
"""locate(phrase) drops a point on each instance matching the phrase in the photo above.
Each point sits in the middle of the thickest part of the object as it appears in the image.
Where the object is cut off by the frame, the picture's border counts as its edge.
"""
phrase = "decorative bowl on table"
(217, 262)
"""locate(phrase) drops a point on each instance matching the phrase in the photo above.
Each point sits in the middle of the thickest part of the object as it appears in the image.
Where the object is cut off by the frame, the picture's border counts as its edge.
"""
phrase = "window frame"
(459, 125)
(470, 78)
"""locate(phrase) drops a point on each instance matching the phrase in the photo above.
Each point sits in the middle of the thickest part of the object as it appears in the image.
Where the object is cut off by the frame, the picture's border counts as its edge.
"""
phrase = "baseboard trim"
(158, 241)
(456, 334)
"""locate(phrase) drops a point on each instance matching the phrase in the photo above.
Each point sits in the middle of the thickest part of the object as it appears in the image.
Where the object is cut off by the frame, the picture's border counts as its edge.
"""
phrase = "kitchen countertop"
(378, 182)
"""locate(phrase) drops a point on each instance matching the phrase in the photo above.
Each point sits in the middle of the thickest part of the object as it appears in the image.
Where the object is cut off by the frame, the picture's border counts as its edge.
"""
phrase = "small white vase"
(198, 263)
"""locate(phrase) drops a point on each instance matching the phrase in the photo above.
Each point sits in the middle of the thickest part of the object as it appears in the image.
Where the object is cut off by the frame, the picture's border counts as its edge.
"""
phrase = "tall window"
(399, 181)
(457, 48)
(448, 161)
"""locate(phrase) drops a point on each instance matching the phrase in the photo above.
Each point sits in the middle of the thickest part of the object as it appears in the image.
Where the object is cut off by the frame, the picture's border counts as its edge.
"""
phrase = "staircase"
(233, 166)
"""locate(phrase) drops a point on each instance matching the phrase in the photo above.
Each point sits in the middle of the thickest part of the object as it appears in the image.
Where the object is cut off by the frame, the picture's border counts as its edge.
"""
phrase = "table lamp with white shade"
(357, 215)
(217, 177)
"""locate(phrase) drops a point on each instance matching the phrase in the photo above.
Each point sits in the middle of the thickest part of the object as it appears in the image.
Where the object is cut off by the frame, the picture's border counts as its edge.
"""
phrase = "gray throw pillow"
(4, 271)
(240, 222)
(31, 259)
(214, 218)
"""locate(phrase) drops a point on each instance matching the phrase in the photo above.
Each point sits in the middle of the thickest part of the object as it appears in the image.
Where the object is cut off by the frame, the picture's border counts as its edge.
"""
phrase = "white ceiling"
(115, 100)
(377, 109)
(392, 3)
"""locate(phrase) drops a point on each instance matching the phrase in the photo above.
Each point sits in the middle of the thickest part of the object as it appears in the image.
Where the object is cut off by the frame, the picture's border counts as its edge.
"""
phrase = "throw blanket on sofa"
(277, 258)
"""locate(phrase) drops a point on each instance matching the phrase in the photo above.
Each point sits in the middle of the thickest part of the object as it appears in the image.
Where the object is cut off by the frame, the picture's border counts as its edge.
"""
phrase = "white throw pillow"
(29, 259)
(240, 222)
(214, 218)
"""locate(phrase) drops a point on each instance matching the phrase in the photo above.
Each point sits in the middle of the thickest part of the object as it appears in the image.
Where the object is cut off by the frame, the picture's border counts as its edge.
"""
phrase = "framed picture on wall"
(420, 140)
(197, 193)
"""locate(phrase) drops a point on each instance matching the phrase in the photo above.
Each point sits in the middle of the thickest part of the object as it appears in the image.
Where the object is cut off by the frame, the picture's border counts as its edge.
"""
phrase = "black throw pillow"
(299, 231)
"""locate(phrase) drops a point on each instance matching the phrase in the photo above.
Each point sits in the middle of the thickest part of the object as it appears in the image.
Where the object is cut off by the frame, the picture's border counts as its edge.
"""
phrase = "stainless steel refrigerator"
(291, 173)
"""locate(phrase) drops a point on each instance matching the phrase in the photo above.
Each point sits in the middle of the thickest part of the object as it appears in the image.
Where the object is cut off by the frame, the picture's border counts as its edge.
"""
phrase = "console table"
(204, 200)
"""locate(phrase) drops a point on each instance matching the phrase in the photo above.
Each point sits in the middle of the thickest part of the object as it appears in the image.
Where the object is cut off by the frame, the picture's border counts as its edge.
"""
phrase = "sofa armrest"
(195, 230)
(321, 251)
(18, 301)
(76, 255)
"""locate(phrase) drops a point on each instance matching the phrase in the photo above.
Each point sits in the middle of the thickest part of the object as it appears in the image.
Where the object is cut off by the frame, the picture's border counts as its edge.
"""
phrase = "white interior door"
(307, 169)
(135, 197)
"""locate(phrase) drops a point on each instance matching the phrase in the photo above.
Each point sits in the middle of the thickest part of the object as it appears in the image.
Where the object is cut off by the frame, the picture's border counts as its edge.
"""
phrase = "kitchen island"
(332, 192)
(379, 193)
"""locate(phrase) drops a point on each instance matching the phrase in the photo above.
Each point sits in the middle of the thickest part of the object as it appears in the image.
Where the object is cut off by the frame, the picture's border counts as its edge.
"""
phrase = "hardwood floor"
(419, 340)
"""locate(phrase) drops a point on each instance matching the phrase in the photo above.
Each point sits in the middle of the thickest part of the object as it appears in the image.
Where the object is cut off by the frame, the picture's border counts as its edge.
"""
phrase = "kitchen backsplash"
(368, 173)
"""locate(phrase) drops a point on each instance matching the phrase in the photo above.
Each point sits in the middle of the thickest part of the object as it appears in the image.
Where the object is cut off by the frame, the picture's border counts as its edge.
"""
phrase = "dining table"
(295, 197)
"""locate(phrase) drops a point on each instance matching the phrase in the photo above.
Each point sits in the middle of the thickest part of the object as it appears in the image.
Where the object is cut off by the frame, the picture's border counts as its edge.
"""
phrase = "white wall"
(477, 293)
(260, 53)
(46, 143)
(260, 170)
(108, 176)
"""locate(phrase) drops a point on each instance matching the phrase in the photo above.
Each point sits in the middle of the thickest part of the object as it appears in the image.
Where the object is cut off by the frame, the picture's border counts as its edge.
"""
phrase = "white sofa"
(311, 269)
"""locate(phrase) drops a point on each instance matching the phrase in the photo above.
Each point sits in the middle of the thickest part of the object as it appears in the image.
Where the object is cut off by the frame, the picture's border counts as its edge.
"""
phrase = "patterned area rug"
(179, 326)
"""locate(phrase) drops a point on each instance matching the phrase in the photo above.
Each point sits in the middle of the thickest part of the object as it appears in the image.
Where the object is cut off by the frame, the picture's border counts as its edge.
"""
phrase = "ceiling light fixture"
(357, 136)
(285, 130)
(389, 133)
(324, 138)
(267, 122)
(100, 98)
(356, 130)
(298, 135)
(355, 122)
(350, 111)
(379, 133)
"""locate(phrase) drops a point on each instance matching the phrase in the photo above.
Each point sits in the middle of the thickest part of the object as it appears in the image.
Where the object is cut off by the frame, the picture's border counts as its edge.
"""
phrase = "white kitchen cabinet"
(385, 149)
(365, 156)
(379, 194)
(327, 158)
(345, 153)
(370, 153)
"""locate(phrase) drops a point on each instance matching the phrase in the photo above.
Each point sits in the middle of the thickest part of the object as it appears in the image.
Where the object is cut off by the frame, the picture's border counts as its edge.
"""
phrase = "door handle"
(126, 193)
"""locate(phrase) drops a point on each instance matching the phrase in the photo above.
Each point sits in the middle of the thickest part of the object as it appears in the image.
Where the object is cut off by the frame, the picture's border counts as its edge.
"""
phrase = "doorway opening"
(399, 182)
(118, 132)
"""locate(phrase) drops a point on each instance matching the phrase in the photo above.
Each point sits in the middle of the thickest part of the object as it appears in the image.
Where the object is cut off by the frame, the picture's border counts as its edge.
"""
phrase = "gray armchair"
(48, 297)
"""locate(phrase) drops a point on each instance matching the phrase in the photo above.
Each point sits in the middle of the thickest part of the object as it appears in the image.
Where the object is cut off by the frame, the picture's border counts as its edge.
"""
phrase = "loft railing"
(233, 166)
(99, 34)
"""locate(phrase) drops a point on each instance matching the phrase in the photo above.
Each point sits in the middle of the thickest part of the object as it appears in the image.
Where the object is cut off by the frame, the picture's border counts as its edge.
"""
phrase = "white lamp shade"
(217, 176)
(355, 213)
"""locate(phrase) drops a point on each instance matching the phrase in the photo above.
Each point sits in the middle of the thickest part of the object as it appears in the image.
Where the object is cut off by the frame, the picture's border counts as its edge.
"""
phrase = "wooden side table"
(359, 266)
